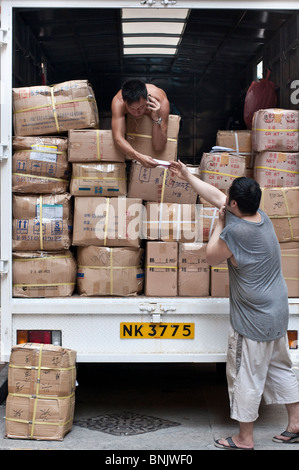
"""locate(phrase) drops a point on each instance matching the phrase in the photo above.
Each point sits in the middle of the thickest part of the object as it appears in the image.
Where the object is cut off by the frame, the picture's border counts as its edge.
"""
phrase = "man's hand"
(179, 169)
(146, 161)
(154, 106)
(222, 213)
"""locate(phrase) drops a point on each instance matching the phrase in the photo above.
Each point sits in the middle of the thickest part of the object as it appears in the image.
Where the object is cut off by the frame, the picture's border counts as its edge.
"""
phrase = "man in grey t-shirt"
(258, 363)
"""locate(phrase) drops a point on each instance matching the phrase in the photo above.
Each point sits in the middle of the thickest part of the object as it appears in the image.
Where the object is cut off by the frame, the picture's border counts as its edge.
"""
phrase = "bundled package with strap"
(98, 179)
(42, 222)
(93, 145)
(275, 168)
(281, 206)
(40, 165)
(44, 110)
(41, 392)
(221, 168)
(109, 271)
(43, 274)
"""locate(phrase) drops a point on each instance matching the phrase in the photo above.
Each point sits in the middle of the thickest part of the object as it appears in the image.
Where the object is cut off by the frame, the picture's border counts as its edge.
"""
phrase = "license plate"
(157, 330)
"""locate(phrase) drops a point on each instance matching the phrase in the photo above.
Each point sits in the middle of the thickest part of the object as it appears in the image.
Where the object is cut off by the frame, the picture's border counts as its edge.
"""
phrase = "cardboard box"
(109, 271)
(275, 129)
(220, 169)
(210, 215)
(40, 165)
(160, 184)
(102, 221)
(239, 141)
(43, 274)
(98, 179)
(173, 222)
(41, 386)
(139, 135)
(53, 234)
(290, 266)
(273, 169)
(161, 269)
(281, 206)
(220, 280)
(194, 271)
(93, 146)
(44, 110)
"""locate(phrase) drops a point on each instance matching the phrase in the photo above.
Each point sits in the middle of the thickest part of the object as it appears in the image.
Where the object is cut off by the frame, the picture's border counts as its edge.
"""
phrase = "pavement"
(189, 401)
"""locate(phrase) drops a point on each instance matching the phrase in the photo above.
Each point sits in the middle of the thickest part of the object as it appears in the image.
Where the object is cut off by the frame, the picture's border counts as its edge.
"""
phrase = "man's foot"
(287, 437)
(228, 443)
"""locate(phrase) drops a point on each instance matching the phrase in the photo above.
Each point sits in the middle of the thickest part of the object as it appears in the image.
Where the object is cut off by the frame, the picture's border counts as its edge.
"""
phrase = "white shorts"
(255, 369)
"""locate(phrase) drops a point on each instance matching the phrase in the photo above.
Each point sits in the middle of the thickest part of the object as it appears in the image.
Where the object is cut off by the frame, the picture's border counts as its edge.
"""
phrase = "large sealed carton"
(161, 266)
(273, 169)
(42, 222)
(109, 271)
(238, 141)
(44, 110)
(281, 206)
(160, 184)
(104, 221)
(41, 392)
(98, 179)
(220, 280)
(220, 169)
(43, 274)
(93, 145)
(173, 222)
(275, 129)
(40, 165)
(194, 271)
(290, 266)
(139, 135)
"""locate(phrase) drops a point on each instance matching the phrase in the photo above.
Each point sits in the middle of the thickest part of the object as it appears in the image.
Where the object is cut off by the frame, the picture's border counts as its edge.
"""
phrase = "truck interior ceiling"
(204, 59)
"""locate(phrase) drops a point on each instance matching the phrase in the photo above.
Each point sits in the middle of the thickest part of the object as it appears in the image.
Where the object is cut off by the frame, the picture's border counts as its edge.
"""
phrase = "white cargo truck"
(92, 325)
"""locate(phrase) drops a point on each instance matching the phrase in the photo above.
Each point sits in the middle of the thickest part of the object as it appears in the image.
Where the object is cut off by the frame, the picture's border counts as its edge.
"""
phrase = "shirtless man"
(137, 98)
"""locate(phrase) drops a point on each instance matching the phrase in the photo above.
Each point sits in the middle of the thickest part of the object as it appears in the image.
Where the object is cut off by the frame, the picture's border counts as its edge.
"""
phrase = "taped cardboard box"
(93, 146)
(272, 169)
(220, 169)
(102, 221)
(239, 141)
(281, 206)
(160, 184)
(109, 271)
(40, 165)
(139, 136)
(290, 266)
(55, 213)
(43, 274)
(220, 280)
(98, 179)
(275, 129)
(173, 222)
(161, 277)
(41, 392)
(44, 110)
(194, 271)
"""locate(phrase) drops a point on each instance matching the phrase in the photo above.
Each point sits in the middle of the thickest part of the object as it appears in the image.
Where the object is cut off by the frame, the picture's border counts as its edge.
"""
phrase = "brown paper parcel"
(93, 146)
(161, 269)
(240, 141)
(54, 233)
(194, 271)
(173, 222)
(41, 392)
(139, 136)
(275, 129)
(44, 110)
(281, 205)
(40, 165)
(107, 221)
(220, 169)
(273, 169)
(43, 274)
(290, 266)
(160, 184)
(98, 179)
(109, 271)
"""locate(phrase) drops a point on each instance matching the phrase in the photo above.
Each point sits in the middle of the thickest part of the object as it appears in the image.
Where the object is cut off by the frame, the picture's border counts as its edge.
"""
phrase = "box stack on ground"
(89, 221)
(41, 392)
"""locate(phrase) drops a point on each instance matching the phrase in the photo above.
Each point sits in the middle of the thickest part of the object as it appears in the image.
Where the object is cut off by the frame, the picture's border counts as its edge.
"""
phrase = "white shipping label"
(44, 153)
(49, 211)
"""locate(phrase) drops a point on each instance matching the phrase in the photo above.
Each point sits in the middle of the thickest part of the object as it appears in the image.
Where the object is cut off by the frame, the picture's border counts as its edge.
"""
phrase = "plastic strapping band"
(162, 267)
(106, 221)
(163, 184)
(111, 271)
(131, 134)
(276, 130)
(54, 284)
(54, 109)
(218, 173)
(25, 175)
(98, 145)
(288, 213)
(37, 388)
(276, 169)
(237, 142)
(41, 242)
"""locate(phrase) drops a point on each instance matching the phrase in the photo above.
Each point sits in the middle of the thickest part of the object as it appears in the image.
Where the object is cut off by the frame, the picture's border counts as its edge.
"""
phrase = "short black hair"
(247, 193)
(133, 90)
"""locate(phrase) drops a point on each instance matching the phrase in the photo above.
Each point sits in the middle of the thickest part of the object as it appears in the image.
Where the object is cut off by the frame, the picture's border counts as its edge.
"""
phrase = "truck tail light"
(39, 336)
(293, 339)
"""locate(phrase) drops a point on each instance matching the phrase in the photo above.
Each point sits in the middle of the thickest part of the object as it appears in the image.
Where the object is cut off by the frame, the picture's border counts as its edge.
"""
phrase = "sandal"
(231, 445)
(293, 437)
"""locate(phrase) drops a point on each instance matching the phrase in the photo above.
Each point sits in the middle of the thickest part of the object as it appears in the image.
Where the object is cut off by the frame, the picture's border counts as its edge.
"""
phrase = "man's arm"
(118, 126)
(212, 194)
(217, 250)
(159, 110)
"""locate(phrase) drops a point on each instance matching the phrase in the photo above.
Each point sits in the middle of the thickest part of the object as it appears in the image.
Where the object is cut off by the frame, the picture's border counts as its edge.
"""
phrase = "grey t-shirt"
(258, 293)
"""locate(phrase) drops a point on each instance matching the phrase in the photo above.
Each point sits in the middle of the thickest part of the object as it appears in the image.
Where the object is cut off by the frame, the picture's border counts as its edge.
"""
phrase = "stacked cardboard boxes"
(41, 392)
